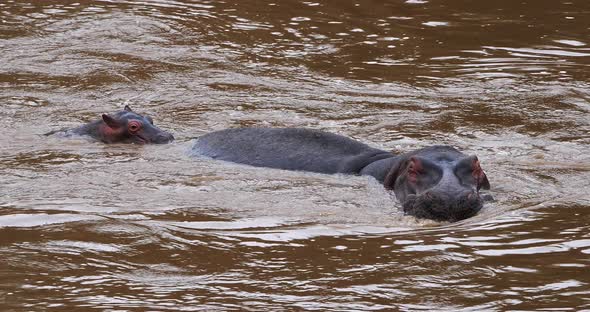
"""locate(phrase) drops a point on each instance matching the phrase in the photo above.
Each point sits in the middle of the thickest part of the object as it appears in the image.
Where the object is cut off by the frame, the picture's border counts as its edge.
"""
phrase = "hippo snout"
(163, 138)
(440, 206)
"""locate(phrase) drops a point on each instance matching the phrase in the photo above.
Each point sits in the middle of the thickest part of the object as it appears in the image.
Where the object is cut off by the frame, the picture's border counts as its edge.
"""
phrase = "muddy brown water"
(86, 226)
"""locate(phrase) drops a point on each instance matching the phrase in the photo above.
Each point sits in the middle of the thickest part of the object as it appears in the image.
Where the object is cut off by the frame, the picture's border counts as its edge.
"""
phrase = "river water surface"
(86, 226)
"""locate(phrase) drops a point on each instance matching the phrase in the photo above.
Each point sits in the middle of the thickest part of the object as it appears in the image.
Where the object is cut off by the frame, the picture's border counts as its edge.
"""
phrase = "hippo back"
(288, 148)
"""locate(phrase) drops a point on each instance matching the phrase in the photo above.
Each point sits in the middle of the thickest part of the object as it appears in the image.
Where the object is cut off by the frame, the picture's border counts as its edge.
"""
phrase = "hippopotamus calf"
(124, 126)
(437, 182)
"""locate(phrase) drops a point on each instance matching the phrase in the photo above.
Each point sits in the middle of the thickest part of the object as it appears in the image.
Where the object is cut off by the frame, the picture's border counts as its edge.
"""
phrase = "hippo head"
(129, 127)
(438, 183)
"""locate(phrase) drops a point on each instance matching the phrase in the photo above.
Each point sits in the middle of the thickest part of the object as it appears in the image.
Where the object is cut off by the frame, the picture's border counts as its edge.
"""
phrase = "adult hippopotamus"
(124, 126)
(436, 182)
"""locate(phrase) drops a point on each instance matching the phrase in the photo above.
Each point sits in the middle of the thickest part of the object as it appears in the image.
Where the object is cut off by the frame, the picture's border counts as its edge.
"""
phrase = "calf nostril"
(164, 137)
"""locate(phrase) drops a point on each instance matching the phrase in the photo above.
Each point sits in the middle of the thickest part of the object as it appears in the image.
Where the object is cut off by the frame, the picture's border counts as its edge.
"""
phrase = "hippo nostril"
(473, 196)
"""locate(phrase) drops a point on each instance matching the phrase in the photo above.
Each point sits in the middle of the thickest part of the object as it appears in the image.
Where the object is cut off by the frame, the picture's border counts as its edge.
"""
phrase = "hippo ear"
(393, 173)
(110, 121)
(485, 184)
(479, 174)
(127, 108)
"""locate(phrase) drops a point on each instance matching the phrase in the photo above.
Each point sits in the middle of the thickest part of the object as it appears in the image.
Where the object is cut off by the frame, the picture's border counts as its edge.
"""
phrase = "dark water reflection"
(87, 226)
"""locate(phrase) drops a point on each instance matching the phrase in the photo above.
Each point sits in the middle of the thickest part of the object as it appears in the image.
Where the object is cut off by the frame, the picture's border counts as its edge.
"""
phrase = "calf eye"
(134, 126)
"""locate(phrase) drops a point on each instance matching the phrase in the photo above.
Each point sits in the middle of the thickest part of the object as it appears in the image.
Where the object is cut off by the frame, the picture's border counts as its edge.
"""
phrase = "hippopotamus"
(437, 182)
(124, 126)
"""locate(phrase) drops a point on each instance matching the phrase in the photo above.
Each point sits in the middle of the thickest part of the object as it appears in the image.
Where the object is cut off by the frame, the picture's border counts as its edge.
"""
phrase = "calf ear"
(393, 173)
(127, 108)
(110, 121)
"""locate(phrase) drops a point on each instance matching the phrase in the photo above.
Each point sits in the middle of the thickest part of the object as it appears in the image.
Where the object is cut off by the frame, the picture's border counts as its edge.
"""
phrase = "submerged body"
(124, 126)
(437, 182)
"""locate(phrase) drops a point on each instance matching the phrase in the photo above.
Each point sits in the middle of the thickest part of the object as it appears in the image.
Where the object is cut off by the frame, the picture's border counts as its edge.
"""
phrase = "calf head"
(129, 127)
(438, 183)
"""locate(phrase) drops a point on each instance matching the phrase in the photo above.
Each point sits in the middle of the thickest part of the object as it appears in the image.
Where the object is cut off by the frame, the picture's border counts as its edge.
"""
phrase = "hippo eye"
(149, 119)
(134, 126)
(423, 173)
(470, 172)
(415, 171)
